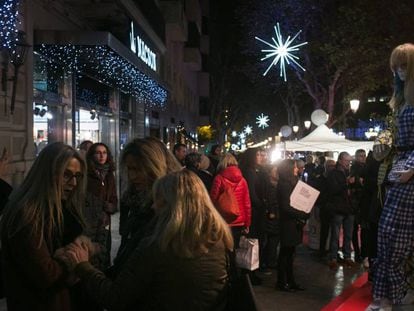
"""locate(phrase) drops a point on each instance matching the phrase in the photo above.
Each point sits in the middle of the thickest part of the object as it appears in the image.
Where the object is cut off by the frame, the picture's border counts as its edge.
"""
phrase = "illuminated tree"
(205, 133)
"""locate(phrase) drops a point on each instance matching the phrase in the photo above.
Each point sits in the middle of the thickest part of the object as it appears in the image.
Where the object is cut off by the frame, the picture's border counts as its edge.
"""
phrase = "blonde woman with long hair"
(145, 160)
(42, 215)
(182, 266)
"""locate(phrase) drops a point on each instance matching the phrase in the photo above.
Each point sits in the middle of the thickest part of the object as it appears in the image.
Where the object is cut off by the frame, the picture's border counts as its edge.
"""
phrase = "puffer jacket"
(232, 177)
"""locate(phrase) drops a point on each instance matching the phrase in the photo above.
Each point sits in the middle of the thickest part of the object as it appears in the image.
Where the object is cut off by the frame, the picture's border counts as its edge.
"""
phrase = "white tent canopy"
(322, 139)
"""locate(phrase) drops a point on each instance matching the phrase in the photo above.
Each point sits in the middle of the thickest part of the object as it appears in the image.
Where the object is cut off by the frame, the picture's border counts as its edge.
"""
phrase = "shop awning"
(104, 56)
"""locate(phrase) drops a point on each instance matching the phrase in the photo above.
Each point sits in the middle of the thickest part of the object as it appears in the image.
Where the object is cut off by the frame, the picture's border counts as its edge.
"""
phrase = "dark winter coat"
(135, 211)
(5, 190)
(205, 176)
(34, 280)
(256, 181)
(272, 207)
(105, 190)
(339, 199)
(136, 222)
(291, 220)
(96, 231)
(232, 177)
(358, 170)
(155, 280)
(320, 183)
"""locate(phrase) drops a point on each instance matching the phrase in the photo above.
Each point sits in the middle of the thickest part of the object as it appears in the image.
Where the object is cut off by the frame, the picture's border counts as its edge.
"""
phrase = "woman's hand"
(246, 230)
(77, 252)
(93, 248)
(61, 256)
(405, 176)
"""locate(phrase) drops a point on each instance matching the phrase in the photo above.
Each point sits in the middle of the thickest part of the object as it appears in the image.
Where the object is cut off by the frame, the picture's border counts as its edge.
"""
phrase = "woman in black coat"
(291, 226)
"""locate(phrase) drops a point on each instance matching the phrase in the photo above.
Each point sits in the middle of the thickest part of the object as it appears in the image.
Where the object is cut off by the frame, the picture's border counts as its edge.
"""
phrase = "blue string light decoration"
(92, 97)
(8, 23)
(108, 67)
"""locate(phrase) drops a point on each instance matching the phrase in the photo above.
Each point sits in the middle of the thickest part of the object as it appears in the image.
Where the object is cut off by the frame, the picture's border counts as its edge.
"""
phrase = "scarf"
(102, 170)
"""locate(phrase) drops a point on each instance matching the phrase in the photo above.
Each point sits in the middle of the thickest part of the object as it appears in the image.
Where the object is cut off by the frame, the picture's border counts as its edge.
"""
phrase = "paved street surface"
(321, 284)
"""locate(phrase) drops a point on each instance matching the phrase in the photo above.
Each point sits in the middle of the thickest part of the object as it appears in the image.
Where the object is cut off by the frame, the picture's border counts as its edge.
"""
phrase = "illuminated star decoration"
(282, 51)
(262, 121)
(248, 130)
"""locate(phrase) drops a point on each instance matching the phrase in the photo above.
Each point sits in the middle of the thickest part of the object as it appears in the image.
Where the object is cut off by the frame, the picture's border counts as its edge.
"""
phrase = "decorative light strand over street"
(282, 52)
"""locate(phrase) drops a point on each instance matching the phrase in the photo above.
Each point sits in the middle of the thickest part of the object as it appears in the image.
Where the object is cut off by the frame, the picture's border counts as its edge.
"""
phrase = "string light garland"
(107, 66)
(92, 97)
(8, 23)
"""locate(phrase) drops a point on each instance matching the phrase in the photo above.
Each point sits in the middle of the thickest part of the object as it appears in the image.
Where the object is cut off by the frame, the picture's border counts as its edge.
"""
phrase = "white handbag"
(247, 255)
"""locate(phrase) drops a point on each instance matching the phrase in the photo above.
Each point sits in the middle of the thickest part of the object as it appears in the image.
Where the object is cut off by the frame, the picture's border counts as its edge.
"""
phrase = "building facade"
(105, 71)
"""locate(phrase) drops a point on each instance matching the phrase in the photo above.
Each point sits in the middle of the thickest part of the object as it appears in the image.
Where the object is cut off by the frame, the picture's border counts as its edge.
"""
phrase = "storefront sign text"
(139, 47)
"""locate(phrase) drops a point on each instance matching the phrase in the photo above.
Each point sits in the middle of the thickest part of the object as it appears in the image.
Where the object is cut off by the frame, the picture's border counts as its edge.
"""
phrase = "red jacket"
(232, 177)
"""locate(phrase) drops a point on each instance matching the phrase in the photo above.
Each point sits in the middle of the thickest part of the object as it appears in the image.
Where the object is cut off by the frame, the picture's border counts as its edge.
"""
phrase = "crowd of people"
(177, 245)
(56, 227)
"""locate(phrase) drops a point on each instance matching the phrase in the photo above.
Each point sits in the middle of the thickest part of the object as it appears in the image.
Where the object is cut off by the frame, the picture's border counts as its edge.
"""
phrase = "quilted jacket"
(232, 177)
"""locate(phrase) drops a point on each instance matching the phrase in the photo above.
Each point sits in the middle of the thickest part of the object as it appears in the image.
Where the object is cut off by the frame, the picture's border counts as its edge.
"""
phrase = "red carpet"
(354, 298)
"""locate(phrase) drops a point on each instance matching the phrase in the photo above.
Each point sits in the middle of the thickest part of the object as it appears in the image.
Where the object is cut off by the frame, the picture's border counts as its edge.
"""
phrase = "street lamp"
(295, 129)
(307, 124)
(17, 58)
(354, 105)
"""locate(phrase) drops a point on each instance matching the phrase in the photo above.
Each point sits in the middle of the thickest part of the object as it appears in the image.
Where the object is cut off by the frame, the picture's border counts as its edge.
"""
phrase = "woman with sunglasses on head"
(145, 160)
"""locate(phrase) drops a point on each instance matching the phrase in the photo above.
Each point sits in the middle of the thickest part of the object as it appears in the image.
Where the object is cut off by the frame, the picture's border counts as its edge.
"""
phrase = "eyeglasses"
(68, 176)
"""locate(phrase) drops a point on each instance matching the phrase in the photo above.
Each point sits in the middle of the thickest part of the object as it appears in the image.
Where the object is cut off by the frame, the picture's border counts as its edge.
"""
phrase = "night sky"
(349, 39)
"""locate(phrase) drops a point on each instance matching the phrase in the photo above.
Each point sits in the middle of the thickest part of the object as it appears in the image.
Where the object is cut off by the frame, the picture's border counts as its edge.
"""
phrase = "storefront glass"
(87, 126)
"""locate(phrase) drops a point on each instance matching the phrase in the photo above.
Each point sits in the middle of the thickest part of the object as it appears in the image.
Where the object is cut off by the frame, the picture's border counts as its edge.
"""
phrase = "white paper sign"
(303, 197)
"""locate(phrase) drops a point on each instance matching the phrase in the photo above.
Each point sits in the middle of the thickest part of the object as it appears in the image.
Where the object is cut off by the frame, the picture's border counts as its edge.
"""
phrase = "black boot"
(295, 286)
(254, 279)
(284, 287)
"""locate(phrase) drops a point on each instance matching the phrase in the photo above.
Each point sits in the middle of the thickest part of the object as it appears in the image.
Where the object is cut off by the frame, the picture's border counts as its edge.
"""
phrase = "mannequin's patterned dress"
(396, 227)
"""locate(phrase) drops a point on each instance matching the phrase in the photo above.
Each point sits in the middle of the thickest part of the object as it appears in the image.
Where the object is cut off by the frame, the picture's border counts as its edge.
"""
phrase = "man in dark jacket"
(320, 182)
(340, 206)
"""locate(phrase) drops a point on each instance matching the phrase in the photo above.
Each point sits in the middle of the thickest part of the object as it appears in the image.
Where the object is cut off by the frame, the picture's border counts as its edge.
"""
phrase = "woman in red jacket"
(229, 175)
